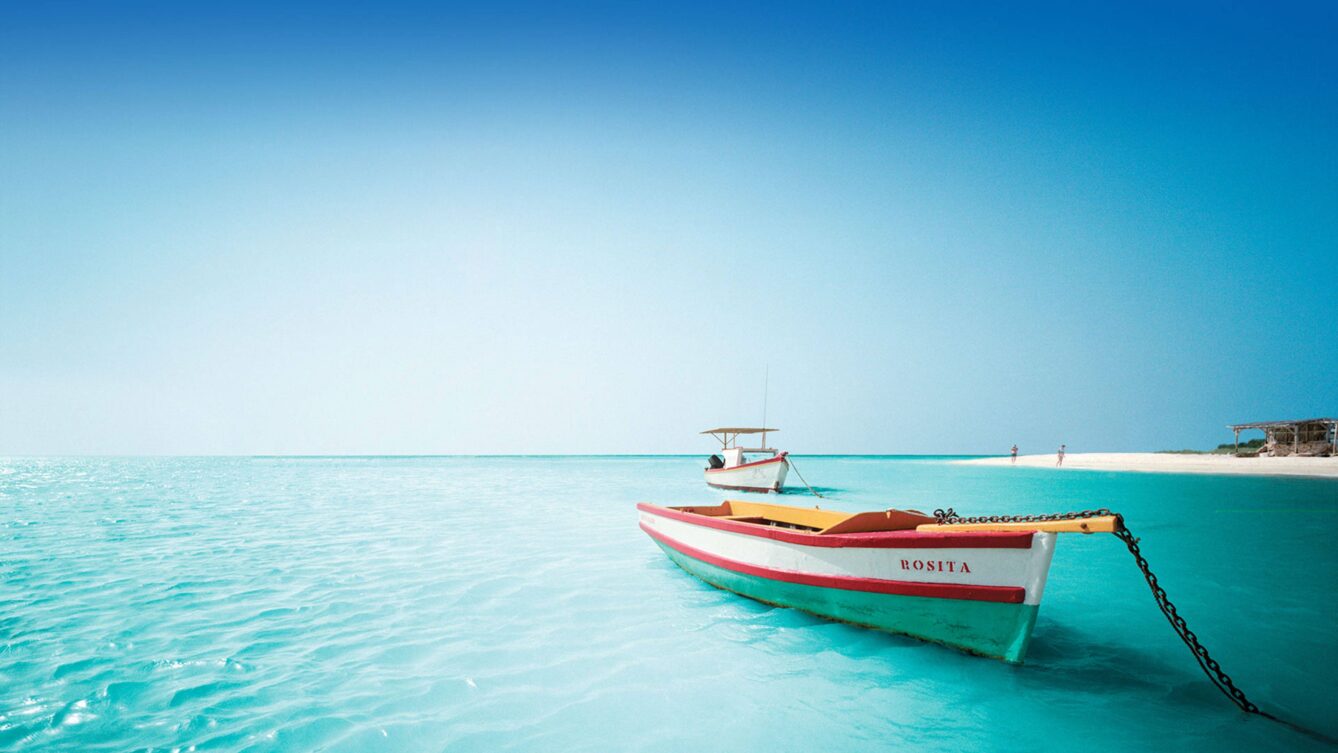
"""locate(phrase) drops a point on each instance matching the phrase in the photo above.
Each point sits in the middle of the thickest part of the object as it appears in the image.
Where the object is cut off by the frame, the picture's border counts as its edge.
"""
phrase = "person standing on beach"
(1061, 454)
(1014, 454)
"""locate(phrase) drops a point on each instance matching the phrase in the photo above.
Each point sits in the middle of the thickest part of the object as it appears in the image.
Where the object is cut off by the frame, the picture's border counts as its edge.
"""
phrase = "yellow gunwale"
(832, 521)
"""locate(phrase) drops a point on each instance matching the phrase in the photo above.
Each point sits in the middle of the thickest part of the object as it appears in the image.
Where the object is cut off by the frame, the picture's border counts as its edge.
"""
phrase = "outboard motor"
(714, 462)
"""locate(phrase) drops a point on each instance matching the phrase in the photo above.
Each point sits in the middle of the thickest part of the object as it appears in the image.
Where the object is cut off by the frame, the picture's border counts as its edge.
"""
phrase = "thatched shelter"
(1309, 436)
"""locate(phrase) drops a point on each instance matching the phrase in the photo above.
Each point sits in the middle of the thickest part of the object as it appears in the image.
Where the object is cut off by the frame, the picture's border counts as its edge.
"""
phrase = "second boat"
(733, 468)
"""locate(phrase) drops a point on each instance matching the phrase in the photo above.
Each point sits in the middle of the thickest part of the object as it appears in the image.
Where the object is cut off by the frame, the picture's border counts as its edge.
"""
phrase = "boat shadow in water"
(1061, 657)
(799, 491)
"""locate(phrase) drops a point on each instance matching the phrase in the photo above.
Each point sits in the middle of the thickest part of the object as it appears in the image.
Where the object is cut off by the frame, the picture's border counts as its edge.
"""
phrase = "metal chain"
(1210, 667)
(950, 516)
(801, 478)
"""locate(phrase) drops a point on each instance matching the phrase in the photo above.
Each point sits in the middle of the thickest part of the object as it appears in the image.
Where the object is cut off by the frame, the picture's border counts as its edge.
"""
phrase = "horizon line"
(480, 455)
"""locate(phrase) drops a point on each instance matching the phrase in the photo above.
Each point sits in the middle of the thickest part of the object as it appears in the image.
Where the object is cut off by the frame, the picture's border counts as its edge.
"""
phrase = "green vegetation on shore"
(1222, 449)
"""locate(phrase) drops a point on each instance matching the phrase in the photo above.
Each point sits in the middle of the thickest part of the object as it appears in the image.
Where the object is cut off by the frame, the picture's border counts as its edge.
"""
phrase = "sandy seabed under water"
(512, 604)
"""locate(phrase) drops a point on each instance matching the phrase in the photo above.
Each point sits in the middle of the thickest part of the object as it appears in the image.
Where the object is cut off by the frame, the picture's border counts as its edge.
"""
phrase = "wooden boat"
(733, 469)
(975, 587)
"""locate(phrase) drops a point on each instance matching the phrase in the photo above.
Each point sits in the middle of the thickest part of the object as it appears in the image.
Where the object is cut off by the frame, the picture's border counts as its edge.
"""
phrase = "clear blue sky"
(315, 228)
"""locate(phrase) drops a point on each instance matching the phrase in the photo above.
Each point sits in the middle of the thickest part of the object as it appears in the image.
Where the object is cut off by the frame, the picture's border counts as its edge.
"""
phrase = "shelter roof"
(1279, 424)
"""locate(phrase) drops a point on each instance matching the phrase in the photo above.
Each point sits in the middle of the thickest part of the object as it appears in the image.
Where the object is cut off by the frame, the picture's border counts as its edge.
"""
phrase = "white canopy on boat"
(728, 437)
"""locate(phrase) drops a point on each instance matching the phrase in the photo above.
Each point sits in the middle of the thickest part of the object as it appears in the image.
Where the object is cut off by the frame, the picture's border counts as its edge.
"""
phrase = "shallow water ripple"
(419, 604)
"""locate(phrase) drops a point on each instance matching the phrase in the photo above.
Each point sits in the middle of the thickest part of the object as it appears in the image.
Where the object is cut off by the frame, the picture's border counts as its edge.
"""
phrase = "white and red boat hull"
(976, 591)
(763, 476)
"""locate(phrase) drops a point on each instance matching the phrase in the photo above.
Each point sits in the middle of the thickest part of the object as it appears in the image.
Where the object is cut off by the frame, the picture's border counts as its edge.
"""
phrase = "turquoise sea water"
(511, 603)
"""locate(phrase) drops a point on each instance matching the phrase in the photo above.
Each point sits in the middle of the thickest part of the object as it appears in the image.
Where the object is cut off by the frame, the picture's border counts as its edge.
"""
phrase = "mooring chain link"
(801, 478)
(950, 516)
(1209, 665)
(1211, 668)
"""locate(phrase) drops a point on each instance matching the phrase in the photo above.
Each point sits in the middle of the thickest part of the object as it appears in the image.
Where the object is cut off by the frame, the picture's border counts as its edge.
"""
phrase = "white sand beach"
(1156, 462)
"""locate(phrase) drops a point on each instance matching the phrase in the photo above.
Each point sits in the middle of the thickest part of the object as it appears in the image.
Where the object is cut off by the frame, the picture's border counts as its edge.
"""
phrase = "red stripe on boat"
(741, 488)
(872, 539)
(1000, 594)
(779, 458)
